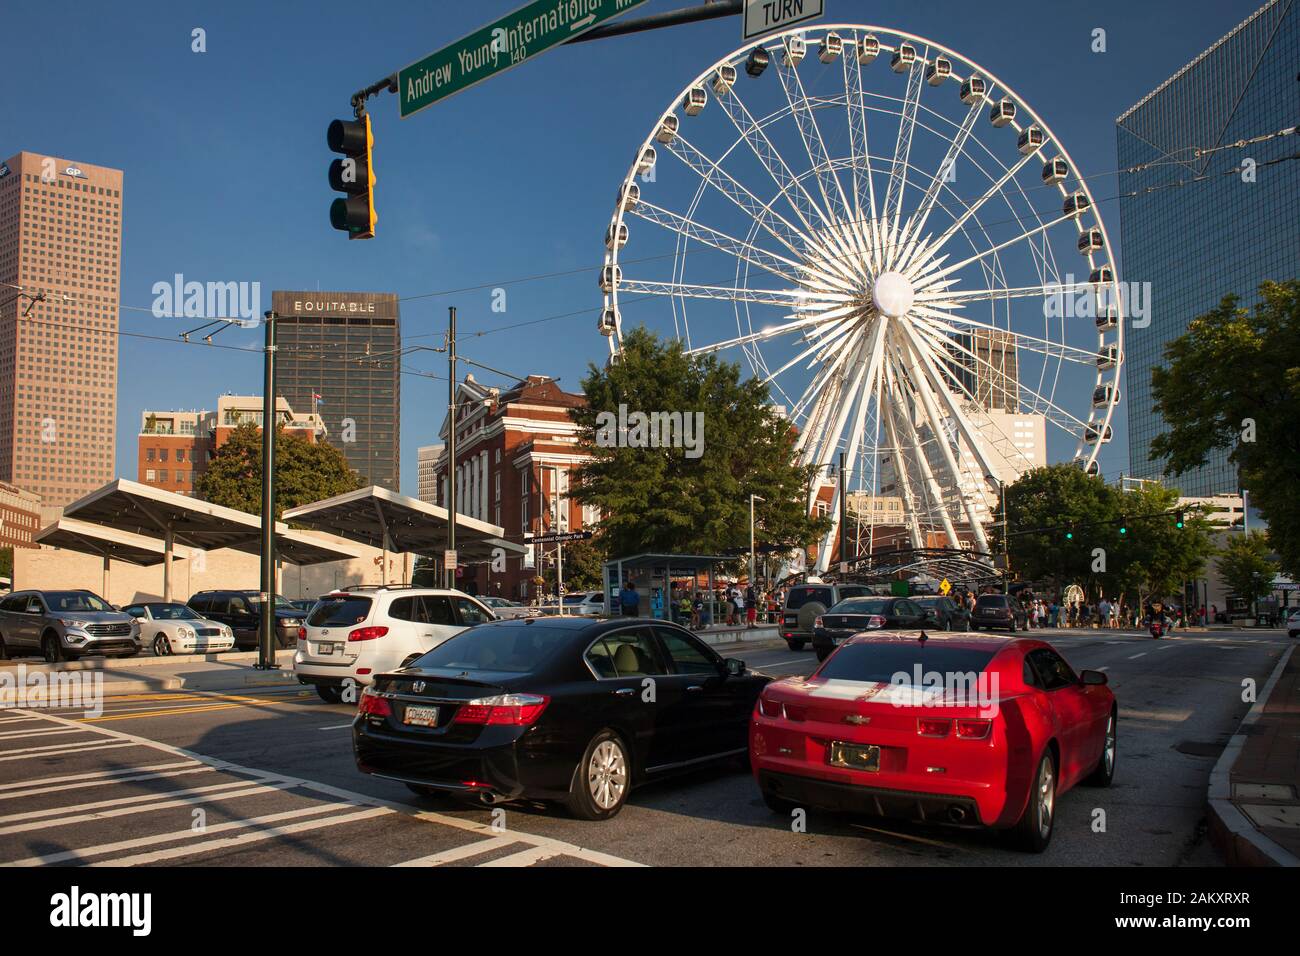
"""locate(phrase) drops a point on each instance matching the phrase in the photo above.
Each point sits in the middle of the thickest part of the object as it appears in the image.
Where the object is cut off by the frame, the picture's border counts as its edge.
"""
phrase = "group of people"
(735, 605)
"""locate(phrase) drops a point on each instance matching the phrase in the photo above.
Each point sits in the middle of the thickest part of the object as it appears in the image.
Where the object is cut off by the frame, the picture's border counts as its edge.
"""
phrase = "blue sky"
(225, 159)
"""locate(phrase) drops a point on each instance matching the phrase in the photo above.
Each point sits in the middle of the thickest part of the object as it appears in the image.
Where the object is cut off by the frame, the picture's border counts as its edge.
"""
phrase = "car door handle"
(695, 687)
(625, 692)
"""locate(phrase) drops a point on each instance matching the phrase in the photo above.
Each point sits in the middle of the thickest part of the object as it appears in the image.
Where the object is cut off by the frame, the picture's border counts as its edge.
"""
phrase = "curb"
(142, 660)
(1230, 830)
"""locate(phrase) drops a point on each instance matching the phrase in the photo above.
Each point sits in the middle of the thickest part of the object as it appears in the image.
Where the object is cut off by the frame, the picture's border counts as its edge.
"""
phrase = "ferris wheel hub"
(893, 294)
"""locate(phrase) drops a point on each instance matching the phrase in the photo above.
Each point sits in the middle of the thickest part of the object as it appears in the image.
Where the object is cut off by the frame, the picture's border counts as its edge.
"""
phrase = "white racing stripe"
(461, 852)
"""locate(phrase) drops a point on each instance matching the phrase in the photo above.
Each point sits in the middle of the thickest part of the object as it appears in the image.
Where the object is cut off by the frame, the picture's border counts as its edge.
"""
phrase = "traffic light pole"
(266, 631)
(450, 569)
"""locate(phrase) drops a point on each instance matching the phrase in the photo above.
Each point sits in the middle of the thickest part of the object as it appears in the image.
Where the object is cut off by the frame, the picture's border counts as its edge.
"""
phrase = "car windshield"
(517, 648)
(171, 612)
(991, 600)
(800, 596)
(860, 606)
(280, 600)
(75, 601)
(339, 611)
(879, 663)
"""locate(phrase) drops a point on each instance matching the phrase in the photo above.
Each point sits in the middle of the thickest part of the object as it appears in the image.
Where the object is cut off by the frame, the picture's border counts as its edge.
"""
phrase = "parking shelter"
(651, 573)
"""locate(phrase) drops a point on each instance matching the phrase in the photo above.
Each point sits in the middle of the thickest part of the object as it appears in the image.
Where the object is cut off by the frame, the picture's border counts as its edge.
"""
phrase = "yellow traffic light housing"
(354, 175)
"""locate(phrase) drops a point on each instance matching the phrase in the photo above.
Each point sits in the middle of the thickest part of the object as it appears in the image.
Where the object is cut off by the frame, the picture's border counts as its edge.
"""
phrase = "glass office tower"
(1198, 227)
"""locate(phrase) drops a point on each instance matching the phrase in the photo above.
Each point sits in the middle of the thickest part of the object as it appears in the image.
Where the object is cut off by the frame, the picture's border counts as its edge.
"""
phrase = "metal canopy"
(73, 535)
(392, 522)
(969, 568)
(130, 506)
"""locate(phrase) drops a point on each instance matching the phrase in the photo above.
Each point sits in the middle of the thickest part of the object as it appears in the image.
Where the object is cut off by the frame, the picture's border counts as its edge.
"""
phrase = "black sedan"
(944, 613)
(555, 708)
(855, 615)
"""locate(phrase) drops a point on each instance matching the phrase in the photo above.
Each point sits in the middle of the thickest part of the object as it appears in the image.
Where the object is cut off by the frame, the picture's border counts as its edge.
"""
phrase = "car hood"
(94, 617)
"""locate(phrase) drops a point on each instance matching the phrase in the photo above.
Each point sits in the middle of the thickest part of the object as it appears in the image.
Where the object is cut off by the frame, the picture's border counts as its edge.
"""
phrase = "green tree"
(1156, 557)
(1246, 566)
(1060, 515)
(670, 499)
(304, 472)
(1233, 383)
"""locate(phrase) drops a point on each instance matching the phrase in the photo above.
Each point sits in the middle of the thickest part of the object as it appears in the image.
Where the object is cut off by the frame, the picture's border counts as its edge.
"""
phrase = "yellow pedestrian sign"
(944, 586)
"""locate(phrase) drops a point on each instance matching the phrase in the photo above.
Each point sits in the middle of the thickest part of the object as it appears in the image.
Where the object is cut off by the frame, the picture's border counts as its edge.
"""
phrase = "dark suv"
(998, 611)
(803, 604)
(944, 613)
(242, 612)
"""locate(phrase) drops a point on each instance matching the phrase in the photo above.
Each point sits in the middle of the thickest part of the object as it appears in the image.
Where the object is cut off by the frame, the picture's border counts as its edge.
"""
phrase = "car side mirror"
(735, 667)
(1094, 677)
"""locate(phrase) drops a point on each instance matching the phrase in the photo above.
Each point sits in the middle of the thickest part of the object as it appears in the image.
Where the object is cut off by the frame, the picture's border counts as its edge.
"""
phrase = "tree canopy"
(678, 499)
(304, 472)
(1233, 383)
(1246, 566)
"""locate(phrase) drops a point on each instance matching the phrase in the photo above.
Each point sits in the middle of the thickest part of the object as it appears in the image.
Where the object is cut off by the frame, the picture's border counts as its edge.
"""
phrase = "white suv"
(355, 634)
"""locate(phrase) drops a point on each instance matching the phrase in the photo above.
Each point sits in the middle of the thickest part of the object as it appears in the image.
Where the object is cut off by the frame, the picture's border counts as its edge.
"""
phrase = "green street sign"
(532, 29)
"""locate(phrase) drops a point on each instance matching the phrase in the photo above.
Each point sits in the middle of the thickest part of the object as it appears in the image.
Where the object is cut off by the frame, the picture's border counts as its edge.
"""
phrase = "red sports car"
(963, 729)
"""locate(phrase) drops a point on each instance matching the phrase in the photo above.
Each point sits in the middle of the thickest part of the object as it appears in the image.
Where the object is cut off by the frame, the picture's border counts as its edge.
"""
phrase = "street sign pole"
(266, 630)
(450, 572)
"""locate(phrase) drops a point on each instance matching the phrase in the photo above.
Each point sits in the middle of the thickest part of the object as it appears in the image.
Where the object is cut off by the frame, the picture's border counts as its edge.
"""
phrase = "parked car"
(804, 602)
(1000, 611)
(851, 737)
(304, 604)
(170, 628)
(241, 611)
(555, 708)
(505, 610)
(944, 613)
(854, 615)
(65, 625)
(1293, 624)
(353, 635)
(584, 603)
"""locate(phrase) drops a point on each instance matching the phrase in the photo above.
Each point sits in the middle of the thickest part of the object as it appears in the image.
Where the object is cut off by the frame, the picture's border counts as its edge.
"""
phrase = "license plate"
(325, 650)
(853, 756)
(421, 716)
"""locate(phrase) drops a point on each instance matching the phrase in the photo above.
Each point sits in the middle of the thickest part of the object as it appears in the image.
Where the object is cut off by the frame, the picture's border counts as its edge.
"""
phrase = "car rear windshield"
(339, 611)
(798, 597)
(880, 662)
(860, 606)
(991, 600)
(854, 590)
(517, 648)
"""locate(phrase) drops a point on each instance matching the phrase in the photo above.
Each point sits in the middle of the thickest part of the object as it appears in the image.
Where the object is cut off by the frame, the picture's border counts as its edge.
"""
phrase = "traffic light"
(354, 175)
(1123, 529)
(1069, 536)
(1178, 520)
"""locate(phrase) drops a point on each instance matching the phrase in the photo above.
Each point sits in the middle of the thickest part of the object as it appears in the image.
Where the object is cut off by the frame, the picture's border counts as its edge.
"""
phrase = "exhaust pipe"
(957, 814)
(490, 799)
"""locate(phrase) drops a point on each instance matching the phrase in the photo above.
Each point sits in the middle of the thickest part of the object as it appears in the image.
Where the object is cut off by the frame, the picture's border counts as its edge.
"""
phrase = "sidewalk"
(224, 672)
(1254, 799)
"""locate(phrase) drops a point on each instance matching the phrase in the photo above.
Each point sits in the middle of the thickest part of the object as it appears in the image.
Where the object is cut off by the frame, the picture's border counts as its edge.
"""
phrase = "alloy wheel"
(1046, 797)
(607, 774)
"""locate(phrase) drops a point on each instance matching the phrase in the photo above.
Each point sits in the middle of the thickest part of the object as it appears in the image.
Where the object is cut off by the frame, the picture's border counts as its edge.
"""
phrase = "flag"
(317, 399)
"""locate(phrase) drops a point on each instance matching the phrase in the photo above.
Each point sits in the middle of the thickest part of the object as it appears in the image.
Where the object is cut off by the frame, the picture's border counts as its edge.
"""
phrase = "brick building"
(515, 451)
(20, 516)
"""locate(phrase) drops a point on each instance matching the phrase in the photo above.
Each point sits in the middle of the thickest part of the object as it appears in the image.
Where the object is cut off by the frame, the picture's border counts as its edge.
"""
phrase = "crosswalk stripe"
(55, 752)
(227, 843)
(97, 775)
(102, 781)
(460, 852)
(524, 857)
(119, 802)
(52, 731)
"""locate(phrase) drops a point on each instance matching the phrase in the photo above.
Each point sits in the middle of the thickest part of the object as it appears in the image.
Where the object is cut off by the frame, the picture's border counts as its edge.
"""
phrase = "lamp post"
(752, 499)
(1006, 532)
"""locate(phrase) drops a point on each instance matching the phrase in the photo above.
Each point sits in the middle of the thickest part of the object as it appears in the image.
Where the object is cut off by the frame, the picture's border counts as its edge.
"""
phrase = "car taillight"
(930, 727)
(367, 633)
(817, 622)
(875, 621)
(770, 708)
(518, 710)
(302, 633)
(973, 729)
(374, 706)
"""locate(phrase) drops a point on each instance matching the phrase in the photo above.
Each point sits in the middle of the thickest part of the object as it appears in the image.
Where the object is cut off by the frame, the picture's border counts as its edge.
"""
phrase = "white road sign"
(765, 16)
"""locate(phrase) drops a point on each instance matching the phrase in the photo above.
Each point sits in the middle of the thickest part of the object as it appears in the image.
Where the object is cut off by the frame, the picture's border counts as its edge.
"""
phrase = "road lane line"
(227, 843)
(52, 732)
(1106, 667)
(337, 726)
(356, 798)
(524, 857)
(65, 856)
(1136, 656)
(226, 793)
(98, 775)
(63, 749)
(802, 660)
(461, 852)
(102, 782)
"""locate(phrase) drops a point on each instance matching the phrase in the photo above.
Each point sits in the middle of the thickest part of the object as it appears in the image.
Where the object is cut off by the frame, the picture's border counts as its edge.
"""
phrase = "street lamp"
(1006, 531)
(752, 499)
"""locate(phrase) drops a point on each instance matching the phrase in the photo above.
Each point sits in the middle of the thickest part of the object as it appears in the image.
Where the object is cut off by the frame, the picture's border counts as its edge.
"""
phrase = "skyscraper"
(338, 356)
(1198, 226)
(60, 253)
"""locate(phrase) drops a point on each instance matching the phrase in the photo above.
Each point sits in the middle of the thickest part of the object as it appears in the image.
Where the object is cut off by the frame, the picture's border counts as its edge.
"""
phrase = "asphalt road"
(266, 778)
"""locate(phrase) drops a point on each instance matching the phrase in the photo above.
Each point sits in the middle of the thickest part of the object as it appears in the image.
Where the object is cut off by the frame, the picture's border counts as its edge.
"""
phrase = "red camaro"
(964, 729)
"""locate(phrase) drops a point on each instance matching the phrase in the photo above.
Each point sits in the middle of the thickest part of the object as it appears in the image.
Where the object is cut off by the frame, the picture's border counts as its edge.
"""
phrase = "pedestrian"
(751, 607)
(629, 600)
(1103, 613)
(737, 603)
(697, 611)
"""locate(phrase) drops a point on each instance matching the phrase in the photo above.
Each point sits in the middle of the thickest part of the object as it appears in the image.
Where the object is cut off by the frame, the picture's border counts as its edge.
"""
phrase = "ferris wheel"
(898, 245)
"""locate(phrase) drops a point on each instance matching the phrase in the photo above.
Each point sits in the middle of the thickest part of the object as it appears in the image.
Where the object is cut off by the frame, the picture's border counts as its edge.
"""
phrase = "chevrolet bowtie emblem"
(857, 719)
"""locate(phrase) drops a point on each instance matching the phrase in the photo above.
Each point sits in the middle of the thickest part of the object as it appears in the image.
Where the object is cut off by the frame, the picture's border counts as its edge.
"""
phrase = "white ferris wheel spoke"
(782, 298)
(763, 259)
(949, 164)
(813, 144)
(972, 208)
(1028, 234)
(956, 324)
(859, 144)
(935, 507)
(903, 144)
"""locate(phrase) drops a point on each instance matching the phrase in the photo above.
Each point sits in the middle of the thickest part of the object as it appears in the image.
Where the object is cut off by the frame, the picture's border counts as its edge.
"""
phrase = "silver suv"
(65, 625)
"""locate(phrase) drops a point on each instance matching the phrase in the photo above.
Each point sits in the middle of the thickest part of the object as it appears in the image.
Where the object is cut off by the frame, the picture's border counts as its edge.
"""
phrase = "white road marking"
(53, 731)
(99, 775)
(1136, 656)
(336, 726)
(226, 794)
(119, 802)
(524, 857)
(1107, 667)
(103, 781)
(226, 843)
(349, 796)
(51, 752)
(186, 834)
(461, 852)
(802, 660)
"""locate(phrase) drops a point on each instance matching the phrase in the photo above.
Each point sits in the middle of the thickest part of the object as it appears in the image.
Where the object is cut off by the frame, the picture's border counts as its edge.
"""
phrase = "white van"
(367, 630)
